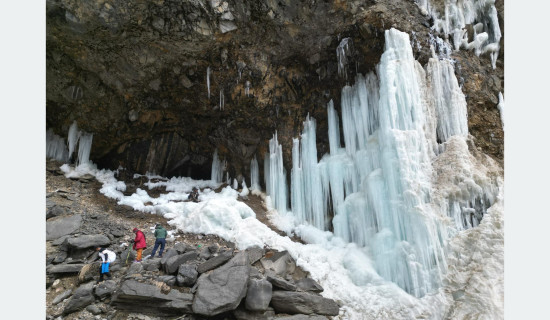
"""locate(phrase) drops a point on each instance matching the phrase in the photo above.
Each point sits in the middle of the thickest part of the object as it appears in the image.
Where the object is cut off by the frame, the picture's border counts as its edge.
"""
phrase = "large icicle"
(275, 174)
(254, 175)
(208, 81)
(216, 173)
(56, 147)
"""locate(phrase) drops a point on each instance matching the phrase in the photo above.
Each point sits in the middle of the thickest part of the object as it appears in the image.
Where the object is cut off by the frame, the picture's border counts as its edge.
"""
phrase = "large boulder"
(151, 264)
(258, 295)
(167, 255)
(62, 296)
(255, 254)
(150, 298)
(303, 302)
(187, 275)
(242, 314)
(88, 241)
(172, 264)
(222, 289)
(215, 262)
(63, 226)
(82, 297)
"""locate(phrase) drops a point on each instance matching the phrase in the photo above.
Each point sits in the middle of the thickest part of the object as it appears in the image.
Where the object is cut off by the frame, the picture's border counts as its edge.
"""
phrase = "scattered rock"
(65, 268)
(255, 254)
(93, 309)
(281, 283)
(105, 288)
(242, 314)
(280, 262)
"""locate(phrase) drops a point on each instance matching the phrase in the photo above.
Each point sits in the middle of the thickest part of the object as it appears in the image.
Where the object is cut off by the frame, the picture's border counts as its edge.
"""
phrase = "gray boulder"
(62, 296)
(65, 268)
(303, 317)
(55, 211)
(308, 284)
(215, 262)
(187, 275)
(149, 298)
(167, 255)
(173, 263)
(105, 288)
(281, 283)
(258, 295)
(205, 254)
(56, 228)
(255, 254)
(303, 302)
(59, 241)
(88, 241)
(222, 289)
(180, 247)
(81, 298)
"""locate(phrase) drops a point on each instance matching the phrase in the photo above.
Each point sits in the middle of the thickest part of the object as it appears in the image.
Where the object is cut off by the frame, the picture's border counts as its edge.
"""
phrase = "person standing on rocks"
(139, 243)
(107, 257)
(160, 235)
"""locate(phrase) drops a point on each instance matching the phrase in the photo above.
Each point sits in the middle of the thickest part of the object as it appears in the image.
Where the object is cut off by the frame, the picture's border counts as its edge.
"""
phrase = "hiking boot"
(160, 255)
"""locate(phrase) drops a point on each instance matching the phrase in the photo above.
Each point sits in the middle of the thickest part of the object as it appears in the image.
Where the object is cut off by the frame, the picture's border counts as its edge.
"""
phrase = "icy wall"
(389, 188)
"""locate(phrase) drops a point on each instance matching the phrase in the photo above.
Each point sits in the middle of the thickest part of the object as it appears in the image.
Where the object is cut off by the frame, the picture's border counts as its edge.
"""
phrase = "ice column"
(84, 148)
(72, 139)
(254, 175)
(217, 168)
(276, 176)
(450, 103)
(208, 80)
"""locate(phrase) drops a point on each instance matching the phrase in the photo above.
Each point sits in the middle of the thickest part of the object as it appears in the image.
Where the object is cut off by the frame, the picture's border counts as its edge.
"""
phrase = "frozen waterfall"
(254, 175)
(378, 189)
(216, 174)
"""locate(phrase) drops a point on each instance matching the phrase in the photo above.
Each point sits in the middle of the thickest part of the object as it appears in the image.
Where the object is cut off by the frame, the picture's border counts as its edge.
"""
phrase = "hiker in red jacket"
(139, 243)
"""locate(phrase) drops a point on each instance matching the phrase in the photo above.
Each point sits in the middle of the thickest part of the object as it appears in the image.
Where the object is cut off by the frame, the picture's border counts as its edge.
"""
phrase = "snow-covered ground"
(343, 269)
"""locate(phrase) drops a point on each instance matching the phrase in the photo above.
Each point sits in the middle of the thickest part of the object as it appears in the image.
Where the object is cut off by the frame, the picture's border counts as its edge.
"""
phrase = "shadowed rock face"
(134, 73)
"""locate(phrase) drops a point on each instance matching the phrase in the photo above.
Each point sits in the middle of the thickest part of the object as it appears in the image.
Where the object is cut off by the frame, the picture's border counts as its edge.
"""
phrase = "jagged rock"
(180, 248)
(187, 275)
(242, 314)
(65, 268)
(255, 254)
(258, 295)
(173, 263)
(280, 262)
(151, 264)
(62, 296)
(148, 298)
(214, 262)
(62, 226)
(81, 298)
(93, 309)
(105, 288)
(223, 289)
(88, 241)
(167, 255)
(308, 284)
(303, 302)
(135, 268)
(281, 283)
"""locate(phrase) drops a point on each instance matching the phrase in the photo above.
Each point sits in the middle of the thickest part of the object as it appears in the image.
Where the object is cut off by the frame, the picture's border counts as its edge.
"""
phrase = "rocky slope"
(198, 277)
(135, 75)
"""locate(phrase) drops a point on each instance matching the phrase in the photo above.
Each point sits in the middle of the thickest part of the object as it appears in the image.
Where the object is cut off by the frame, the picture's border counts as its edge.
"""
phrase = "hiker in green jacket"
(160, 234)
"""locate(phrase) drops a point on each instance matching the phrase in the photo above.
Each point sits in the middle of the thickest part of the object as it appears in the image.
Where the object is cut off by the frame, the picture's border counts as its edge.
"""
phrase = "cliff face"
(135, 73)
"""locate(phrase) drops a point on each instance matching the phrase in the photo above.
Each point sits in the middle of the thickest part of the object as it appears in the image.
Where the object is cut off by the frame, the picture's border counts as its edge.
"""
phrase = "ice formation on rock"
(216, 174)
(254, 175)
(381, 183)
